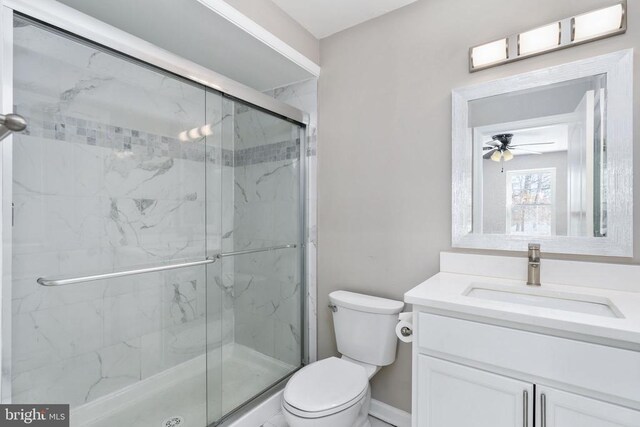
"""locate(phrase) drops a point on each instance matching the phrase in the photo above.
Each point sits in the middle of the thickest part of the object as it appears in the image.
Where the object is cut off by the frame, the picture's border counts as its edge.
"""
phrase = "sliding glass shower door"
(261, 263)
(156, 261)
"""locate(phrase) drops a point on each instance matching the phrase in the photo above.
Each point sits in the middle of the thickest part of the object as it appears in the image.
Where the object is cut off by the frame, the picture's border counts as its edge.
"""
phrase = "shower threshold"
(181, 390)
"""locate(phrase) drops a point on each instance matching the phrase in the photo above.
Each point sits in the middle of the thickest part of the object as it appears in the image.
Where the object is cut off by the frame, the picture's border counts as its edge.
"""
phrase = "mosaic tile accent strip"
(285, 150)
(81, 131)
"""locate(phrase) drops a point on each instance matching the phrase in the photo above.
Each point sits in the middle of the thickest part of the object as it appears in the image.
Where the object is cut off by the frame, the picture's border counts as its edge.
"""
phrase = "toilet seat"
(325, 388)
(321, 414)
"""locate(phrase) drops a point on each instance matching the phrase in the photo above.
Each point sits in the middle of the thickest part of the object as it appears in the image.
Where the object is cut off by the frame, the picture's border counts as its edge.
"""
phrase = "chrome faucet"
(533, 271)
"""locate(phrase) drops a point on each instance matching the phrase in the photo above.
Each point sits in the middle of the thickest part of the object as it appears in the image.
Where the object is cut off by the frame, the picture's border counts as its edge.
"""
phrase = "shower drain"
(173, 422)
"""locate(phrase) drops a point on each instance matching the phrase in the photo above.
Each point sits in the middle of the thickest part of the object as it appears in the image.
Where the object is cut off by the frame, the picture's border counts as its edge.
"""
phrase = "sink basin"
(538, 297)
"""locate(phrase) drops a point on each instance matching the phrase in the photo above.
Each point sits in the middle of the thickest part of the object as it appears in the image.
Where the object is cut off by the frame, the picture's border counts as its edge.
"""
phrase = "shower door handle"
(10, 123)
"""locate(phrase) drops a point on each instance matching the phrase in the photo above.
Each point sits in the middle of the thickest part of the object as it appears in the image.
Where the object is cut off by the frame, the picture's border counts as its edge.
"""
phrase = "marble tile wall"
(304, 96)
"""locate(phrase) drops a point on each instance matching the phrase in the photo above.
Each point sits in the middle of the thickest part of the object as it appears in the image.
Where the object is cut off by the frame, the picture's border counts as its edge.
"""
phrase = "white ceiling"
(323, 18)
(558, 134)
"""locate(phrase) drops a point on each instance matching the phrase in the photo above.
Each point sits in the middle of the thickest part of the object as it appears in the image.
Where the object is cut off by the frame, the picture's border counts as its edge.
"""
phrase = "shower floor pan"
(180, 392)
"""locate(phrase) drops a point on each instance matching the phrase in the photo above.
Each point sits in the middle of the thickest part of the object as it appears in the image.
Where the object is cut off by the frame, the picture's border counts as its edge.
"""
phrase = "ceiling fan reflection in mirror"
(501, 149)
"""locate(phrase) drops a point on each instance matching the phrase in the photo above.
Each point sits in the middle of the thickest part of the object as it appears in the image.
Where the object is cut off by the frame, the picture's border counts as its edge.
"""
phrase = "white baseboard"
(389, 414)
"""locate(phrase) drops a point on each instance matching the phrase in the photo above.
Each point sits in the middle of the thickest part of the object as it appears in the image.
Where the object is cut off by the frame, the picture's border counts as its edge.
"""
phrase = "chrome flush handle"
(333, 307)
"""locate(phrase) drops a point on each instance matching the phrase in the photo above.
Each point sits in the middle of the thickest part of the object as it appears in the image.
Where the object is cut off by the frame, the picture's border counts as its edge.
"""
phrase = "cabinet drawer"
(607, 370)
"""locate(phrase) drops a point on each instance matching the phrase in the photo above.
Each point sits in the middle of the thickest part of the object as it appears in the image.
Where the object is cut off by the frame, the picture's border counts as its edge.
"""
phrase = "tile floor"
(278, 421)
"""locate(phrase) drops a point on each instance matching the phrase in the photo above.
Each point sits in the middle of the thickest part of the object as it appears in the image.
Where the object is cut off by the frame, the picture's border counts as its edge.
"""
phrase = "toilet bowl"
(331, 392)
(335, 392)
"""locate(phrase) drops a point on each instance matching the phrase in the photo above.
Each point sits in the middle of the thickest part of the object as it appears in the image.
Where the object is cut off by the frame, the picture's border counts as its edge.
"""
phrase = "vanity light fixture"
(584, 28)
(540, 39)
(489, 53)
(598, 23)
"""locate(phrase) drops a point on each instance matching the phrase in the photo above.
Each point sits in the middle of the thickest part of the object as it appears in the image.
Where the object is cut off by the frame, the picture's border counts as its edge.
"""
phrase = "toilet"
(335, 392)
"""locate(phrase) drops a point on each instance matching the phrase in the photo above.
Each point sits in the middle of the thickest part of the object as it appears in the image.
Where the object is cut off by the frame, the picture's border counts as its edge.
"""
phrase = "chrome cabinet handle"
(543, 410)
(525, 410)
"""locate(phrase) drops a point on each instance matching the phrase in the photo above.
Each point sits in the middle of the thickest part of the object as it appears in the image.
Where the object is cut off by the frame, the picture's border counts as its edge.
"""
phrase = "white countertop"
(444, 294)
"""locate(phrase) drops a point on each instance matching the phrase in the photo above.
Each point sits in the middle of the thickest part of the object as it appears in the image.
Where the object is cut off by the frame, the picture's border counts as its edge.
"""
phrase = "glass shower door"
(262, 252)
(112, 175)
(156, 261)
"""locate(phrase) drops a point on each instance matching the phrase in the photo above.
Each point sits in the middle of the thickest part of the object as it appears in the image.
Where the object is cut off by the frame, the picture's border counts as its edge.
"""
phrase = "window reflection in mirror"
(539, 160)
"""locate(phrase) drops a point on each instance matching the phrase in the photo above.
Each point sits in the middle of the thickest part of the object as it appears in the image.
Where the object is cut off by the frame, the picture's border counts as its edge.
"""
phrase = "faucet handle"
(534, 252)
(533, 272)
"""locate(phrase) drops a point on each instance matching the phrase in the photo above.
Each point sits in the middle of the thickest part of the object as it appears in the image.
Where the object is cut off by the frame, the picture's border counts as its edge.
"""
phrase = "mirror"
(539, 159)
(546, 156)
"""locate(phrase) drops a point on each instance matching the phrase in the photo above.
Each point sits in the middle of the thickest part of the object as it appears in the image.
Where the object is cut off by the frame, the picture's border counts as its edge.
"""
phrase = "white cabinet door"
(452, 395)
(561, 409)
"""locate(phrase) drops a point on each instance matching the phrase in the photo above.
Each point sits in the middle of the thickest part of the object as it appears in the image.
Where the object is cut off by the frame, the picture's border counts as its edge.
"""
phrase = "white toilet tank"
(365, 326)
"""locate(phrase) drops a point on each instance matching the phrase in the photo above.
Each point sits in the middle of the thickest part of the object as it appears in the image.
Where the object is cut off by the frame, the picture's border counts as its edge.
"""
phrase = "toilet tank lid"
(365, 303)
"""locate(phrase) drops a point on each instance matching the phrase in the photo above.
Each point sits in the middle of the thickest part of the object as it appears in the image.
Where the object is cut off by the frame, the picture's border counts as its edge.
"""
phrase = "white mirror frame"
(618, 67)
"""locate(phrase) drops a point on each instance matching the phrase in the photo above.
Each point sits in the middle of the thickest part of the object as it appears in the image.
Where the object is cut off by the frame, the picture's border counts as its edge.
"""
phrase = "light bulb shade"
(507, 155)
(539, 40)
(496, 156)
(598, 23)
(489, 53)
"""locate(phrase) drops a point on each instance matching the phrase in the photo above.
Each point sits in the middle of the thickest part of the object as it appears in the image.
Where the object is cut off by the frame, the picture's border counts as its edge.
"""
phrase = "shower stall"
(153, 234)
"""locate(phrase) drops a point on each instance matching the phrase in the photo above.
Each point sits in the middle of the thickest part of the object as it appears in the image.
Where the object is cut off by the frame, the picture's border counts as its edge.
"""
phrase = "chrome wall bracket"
(10, 123)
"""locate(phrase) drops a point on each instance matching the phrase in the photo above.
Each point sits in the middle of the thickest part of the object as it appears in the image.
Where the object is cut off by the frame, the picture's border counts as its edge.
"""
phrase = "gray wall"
(530, 104)
(384, 147)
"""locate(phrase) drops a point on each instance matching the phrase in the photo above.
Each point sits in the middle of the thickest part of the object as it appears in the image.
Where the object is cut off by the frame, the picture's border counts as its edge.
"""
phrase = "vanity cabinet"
(563, 409)
(470, 373)
(453, 395)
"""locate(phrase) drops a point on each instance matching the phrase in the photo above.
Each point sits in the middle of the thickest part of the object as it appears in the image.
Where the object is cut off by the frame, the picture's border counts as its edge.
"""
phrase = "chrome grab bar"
(62, 282)
(210, 260)
(252, 251)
